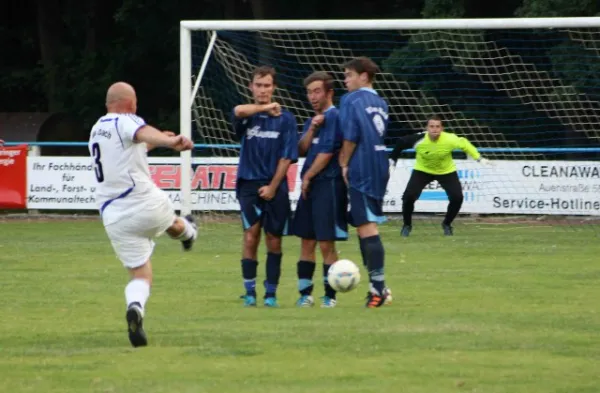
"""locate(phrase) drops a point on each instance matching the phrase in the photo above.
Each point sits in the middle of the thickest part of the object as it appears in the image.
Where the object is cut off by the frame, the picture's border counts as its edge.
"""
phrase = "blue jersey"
(327, 140)
(363, 119)
(265, 140)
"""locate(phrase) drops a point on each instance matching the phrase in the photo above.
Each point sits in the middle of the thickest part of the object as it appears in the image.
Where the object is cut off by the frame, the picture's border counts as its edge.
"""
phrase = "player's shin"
(273, 274)
(329, 291)
(363, 251)
(375, 263)
(305, 271)
(329, 258)
(249, 267)
(137, 291)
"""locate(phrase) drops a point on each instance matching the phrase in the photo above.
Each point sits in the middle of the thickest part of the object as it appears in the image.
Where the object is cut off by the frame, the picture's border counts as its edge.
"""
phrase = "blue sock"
(375, 256)
(306, 270)
(273, 274)
(329, 292)
(363, 251)
(249, 274)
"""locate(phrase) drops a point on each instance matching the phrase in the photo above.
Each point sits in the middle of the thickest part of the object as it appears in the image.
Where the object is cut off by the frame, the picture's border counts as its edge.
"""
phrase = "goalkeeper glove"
(485, 161)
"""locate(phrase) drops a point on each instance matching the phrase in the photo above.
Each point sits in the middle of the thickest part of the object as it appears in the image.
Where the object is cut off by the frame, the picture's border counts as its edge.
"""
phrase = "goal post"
(523, 90)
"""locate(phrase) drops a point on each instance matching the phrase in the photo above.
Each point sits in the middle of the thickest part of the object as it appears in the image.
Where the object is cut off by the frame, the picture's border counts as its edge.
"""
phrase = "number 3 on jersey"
(97, 162)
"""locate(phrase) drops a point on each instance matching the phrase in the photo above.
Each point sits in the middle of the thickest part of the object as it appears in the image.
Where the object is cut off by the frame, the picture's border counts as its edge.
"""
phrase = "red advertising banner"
(13, 177)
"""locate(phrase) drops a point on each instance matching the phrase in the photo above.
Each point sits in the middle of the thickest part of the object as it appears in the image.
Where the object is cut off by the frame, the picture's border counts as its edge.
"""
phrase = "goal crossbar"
(390, 24)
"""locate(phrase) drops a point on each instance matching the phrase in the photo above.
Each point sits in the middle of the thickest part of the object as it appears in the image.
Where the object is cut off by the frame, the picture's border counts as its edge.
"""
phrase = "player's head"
(434, 127)
(319, 90)
(359, 72)
(263, 84)
(121, 98)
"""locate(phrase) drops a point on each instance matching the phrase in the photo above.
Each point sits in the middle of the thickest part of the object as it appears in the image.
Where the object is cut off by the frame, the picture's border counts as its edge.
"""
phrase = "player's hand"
(1, 142)
(305, 186)
(274, 109)
(266, 192)
(345, 174)
(317, 122)
(181, 143)
(485, 161)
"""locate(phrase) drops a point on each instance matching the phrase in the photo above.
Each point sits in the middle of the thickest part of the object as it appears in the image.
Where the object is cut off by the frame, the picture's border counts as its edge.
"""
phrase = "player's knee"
(308, 249)
(273, 243)
(456, 197)
(177, 228)
(143, 272)
(251, 238)
(409, 197)
(367, 230)
(328, 251)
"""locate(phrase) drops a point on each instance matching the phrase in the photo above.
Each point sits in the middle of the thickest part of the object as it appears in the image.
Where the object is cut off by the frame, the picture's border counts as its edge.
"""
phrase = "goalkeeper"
(433, 162)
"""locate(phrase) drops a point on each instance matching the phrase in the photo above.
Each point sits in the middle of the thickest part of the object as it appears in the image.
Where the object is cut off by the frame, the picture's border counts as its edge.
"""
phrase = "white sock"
(137, 290)
(188, 231)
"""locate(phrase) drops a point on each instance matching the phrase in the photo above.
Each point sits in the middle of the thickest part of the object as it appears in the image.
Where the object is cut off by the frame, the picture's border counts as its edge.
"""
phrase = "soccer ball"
(343, 275)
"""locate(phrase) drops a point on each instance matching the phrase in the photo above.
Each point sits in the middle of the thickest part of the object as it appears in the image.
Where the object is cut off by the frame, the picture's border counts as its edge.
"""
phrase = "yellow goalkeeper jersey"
(435, 157)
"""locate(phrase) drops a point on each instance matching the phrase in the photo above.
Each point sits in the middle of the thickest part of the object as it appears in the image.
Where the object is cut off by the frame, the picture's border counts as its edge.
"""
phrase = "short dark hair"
(436, 118)
(263, 71)
(322, 76)
(363, 64)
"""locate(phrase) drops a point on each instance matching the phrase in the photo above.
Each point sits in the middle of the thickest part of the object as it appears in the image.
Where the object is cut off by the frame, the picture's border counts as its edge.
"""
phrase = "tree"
(557, 8)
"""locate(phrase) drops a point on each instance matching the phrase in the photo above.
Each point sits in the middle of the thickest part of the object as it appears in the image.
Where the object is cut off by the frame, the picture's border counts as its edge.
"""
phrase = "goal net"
(526, 92)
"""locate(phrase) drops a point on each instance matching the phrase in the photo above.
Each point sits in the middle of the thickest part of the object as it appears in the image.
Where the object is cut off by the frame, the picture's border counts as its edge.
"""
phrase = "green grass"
(493, 309)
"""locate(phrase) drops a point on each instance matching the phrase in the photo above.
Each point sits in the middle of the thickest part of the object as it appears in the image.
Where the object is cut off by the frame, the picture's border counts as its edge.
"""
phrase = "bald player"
(133, 209)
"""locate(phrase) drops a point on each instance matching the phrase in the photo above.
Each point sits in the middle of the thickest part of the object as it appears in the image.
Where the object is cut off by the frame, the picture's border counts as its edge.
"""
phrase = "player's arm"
(289, 155)
(320, 162)
(346, 153)
(153, 137)
(282, 167)
(404, 143)
(326, 146)
(350, 132)
(306, 140)
(247, 110)
(467, 147)
(152, 147)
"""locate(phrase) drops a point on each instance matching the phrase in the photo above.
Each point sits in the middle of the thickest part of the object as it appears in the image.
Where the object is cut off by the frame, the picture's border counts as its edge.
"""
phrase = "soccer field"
(496, 308)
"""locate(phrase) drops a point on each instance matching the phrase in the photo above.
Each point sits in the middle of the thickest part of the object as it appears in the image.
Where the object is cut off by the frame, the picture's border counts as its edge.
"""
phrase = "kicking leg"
(185, 230)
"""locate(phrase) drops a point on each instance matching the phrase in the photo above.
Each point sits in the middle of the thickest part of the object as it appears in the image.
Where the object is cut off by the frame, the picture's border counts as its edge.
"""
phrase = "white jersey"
(124, 184)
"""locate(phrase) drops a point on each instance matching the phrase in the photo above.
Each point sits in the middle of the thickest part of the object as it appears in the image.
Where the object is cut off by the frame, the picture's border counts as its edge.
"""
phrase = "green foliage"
(443, 9)
(576, 66)
(557, 8)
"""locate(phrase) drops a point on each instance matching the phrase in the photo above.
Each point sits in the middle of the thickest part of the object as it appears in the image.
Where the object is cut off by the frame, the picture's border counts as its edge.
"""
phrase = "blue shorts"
(322, 215)
(274, 215)
(364, 209)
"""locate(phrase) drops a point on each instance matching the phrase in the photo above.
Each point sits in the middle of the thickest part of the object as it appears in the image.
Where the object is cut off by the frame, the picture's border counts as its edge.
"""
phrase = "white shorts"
(131, 237)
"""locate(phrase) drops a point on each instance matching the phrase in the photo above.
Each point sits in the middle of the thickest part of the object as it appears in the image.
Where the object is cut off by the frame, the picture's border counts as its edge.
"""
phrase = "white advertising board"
(513, 187)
